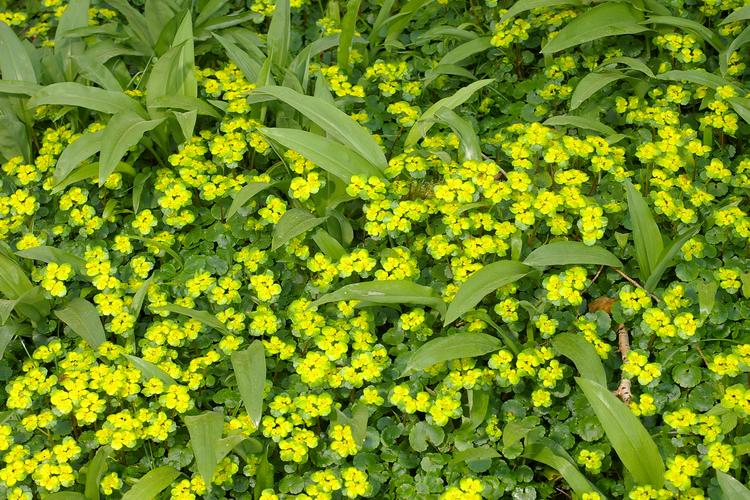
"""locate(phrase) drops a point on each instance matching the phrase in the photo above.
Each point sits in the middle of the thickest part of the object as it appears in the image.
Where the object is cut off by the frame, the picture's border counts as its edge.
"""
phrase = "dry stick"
(636, 284)
(623, 391)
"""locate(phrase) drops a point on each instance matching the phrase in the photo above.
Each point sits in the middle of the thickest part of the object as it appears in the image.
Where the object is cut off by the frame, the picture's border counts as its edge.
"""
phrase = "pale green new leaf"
(149, 370)
(15, 63)
(326, 153)
(582, 354)
(123, 131)
(205, 432)
(478, 285)
(470, 147)
(241, 197)
(204, 317)
(82, 318)
(456, 346)
(335, 122)
(732, 489)
(250, 371)
(632, 442)
(152, 483)
(649, 244)
(96, 469)
(591, 84)
(607, 19)
(426, 121)
(386, 292)
(95, 99)
(87, 145)
(564, 253)
(293, 223)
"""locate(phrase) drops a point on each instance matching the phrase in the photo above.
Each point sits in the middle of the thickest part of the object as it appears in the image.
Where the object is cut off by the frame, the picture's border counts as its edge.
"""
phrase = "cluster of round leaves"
(433, 218)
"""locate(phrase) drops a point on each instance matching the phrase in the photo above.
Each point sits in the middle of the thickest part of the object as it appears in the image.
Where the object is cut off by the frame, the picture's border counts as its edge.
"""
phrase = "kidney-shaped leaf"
(460, 345)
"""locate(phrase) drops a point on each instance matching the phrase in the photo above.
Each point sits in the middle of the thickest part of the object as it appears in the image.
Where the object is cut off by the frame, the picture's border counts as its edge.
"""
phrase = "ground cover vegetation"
(382, 249)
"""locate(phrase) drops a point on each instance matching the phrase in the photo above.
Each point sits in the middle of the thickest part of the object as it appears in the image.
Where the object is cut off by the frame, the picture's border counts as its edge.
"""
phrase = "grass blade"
(250, 371)
(460, 345)
(478, 285)
(628, 437)
(82, 318)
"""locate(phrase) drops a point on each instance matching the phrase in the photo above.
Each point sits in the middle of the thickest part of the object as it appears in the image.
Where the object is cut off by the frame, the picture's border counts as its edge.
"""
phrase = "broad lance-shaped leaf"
(608, 19)
(249, 66)
(205, 432)
(460, 345)
(646, 235)
(348, 24)
(732, 489)
(250, 371)
(564, 253)
(666, 259)
(241, 197)
(83, 318)
(87, 145)
(471, 148)
(96, 99)
(204, 317)
(328, 154)
(96, 469)
(51, 254)
(149, 370)
(546, 452)
(591, 84)
(478, 285)
(426, 121)
(632, 442)
(580, 122)
(582, 354)
(123, 131)
(474, 454)
(15, 63)
(279, 33)
(335, 122)
(293, 223)
(386, 292)
(152, 483)
(526, 5)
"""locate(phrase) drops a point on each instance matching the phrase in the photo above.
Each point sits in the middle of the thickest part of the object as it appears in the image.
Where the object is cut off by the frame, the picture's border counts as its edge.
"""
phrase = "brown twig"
(623, 339)
(636, 284)
(700, 351)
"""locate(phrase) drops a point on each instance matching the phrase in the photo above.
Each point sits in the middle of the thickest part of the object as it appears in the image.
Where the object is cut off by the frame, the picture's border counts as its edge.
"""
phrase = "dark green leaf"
(250, 371)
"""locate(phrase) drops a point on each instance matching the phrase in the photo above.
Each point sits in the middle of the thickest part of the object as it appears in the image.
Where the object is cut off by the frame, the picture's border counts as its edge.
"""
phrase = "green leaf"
(425, 122)
(139, 297)
(15, 63)
(96, 72)
(706, 296)
(741, 14)
(241, 197)
(205, 431)
(692, 27)
(580, 122)
(136, 23)
(357, 422)
(64, 495)
(123, 131)
(739, 42)
(646, 235)
(422, 433)
(95, 99)
(335, 122)
(608, 19)
(471, 148)
(466, 50)
(526, 5)
(149, 370)
(591, 84)
(732, 489)
(563, 253)
(82, 318)
(478, 285)
(628, 437)
(631, 63)
(96, 469)
(348, 25)
(204, 317)
(87, 145)
(7, 333)
(582, 354)
(385, 292)
(293, 223)
(696, 76)
(473, 454)
(249, 66)
(152, 483)
(456, 346)
(51, 254)
(666, 259)
(329, 245)
(185, 102)
(544, 454)
(279, 34)
(13, 279)
(263, 476)
(327, 154)
(250, 371)
(74, 16)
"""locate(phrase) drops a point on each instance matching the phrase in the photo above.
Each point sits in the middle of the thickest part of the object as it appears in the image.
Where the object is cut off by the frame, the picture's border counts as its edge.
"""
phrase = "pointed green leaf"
(470, 147)
(545, 454)
(646, 235)
(250, 371)
(608, 19)
(241, 197)
(580, 122)
(591, 84)
(7, 332)
(692, 27)
(466, 50)
(348, 25)
(732, 489)
(149, 370)
(152, 483)
(478, 285)
(564, 253)
(327, 154)
(204, 317)
(123, 131)
(632, 442)
(386, 292)
(666, 259)
(82, 318)
(582, 354)
(473, 454)
(696, 76)
(96, 469)
(15, 63)
(249, 66)
(526, 5)
(205, 431)
(293, 223)
(87, 145)
(279, 33)
(456, 346)
(76, 94)
(51, 254)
